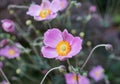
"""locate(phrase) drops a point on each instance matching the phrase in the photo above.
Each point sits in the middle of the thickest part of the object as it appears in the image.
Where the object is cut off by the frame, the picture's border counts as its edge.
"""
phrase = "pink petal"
(34, 10)
(63, 4)
(52, 16)
(69, 78)
(67, 37)
(55, 5)
(49, 52)
(38, 18)
(76, 46)
(61, 58)
(52, 37)
(45, 4)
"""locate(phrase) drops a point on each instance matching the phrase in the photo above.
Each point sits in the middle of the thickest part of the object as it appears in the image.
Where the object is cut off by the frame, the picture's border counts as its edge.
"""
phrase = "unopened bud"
(2, 58)
(3, 42)
(78, 4)
(89, 43)
(109, 47)
(82, 34)
(62, 68)
(84, 74)
(13, 37)
(28, 22)
(11, 11)
(73, 31)
(18, 71)
(18, 58)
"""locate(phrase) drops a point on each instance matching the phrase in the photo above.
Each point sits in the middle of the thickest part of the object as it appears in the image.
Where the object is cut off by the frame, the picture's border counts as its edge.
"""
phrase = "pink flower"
(92, 8)
(8, 25)
(3, 42)
(97, 73)
(60, 45)
(45, 11)
(10, 51)
(72, 78)
(61, 4)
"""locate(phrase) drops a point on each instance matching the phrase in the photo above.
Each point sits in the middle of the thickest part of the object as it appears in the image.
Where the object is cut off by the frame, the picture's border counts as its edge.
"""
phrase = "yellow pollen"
(75, 77)
(63, 48)
(97, 74)
(11, 52)
(44, 13)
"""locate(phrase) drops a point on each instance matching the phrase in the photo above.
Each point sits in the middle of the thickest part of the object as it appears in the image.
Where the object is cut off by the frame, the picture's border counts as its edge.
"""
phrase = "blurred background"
(95, 21)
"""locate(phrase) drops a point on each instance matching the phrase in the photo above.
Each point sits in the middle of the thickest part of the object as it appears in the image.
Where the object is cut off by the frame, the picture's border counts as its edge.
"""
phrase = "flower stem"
(106, 80)
(71, 68)
(100, 45)
(17, 6)
(5, 77)
(68, 61)
(48, 73)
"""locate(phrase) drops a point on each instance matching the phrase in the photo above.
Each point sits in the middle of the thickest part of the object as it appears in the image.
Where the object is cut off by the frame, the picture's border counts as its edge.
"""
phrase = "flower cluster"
(60, 45)
(47, 10)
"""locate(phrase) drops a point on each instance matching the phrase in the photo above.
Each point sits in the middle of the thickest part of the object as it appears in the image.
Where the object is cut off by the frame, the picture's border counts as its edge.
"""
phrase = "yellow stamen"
(44, 13)
(97, 74)
(75, 77)
(63, 48)
(11, 52)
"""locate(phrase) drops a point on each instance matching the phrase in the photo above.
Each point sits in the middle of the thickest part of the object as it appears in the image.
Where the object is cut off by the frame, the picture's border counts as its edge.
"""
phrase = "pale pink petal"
(67, 36)
(55, 5)
(38, 18)
(34, 10)
(52, 16)
(63, 4)
(49, 52)
(84, 80)
(69, 78)
(45, 4)
(52, 37)
(76, 46)
(61, 58)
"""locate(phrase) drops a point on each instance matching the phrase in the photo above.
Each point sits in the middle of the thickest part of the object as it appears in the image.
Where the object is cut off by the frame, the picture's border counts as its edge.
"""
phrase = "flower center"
(63, 48)
(44, 13)
(11, 52)
(97, 74)
(75, 77)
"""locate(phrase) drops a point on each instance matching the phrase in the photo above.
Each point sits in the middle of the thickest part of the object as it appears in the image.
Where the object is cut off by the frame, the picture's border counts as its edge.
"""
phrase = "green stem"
(55, 68)
(5, 77)
(91, 54)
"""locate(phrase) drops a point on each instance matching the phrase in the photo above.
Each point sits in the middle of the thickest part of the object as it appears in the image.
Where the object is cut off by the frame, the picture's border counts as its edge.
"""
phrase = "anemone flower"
(72, 78)
(60, 45)
(97, 73)
(10, 51)
(61, 4)
(45, 11)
